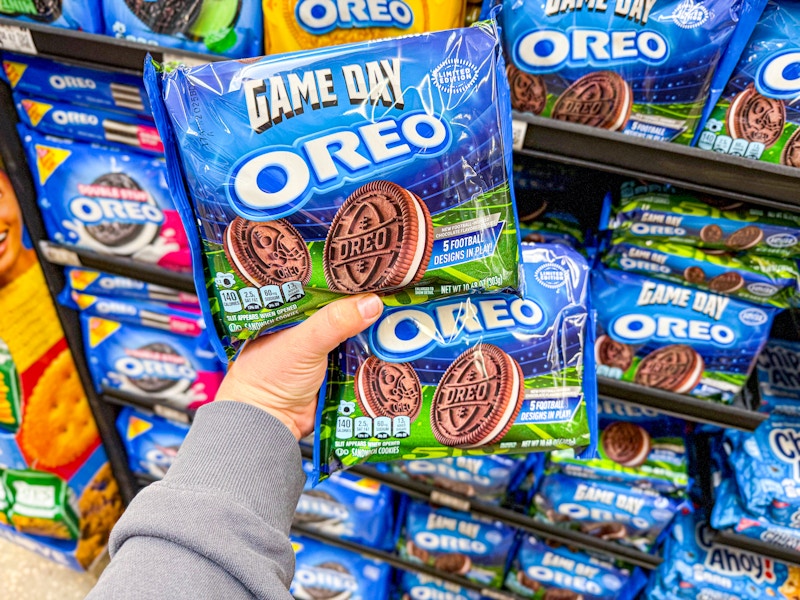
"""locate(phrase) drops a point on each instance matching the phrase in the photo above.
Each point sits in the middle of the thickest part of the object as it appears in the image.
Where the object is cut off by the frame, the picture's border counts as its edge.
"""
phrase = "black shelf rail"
(702, 171)
(677, 405)
(162, 408)
(69, 256)
(741, 542)
(398, 563)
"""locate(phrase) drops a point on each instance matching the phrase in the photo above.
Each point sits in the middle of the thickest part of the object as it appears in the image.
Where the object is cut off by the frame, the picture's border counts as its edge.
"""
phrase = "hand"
(282, 372)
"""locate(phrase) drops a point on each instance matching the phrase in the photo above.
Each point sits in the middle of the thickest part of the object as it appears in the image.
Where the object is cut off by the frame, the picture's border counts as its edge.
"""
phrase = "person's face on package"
(10, 226)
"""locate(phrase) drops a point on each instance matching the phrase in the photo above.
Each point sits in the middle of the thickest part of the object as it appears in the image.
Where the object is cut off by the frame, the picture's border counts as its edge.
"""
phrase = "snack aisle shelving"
(701, 171)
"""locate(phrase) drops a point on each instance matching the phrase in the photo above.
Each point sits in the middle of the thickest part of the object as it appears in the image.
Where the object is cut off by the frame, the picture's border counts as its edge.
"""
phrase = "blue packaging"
(711, 341)
(621, 512)
(97, 283)
(229, 28)
(778, 371)
(534, 390)
(539, 567)
(151, 442)
(767, 468)
(416, 586)
(336, 573)
(431, 133)
(641, 68)
(350, 507)
(457, 542)
(55, 80)
(70, 14)
(49, 117)
(106, 200)
(150, 363)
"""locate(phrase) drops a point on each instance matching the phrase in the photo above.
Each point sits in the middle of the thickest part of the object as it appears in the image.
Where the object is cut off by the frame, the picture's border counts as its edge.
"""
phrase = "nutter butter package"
(70, 14)
(107, 200)
(675, 338)
(382, 166)
(468, 375)
(640, 67)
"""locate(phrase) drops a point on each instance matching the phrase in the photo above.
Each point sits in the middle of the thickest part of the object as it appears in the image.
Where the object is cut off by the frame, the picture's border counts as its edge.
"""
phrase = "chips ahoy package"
(778, 370)
(107, 200)
(469, 375)
(416, 586)
(675, 338)
(640, 67)
(177, 369)
(374, 167)
(151, 442)
(88, 281)
(544, 571)
(322, 571)
(70, 14)
(758, 113)
(227, 27)
(44, 78)
(349, 507)
(457, 542)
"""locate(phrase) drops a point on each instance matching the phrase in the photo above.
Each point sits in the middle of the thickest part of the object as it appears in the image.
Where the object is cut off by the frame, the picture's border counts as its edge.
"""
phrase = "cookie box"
(151, 442)
(70, 14)
(97, 283)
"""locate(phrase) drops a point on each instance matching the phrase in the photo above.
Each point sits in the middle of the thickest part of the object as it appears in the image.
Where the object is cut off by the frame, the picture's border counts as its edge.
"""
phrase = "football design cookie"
(756, 118)
(385, 389)
(453, 563)
(726, 283)
(745, 238)
(601, 99)
(528, 92)
(477, 398)
(626, 444)
(791, 150)
(675, 368)
(380, 239)
(613, 354)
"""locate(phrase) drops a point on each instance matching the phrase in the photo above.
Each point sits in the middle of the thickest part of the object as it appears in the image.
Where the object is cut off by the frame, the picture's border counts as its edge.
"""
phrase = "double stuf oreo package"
(469, 375)
(675, 338)
(70, 14)
(642, 68)
(375, 167)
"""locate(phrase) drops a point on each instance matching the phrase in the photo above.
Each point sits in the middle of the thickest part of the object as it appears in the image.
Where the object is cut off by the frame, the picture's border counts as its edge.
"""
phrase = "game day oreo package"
(374, 167)
(778, 371)
(468, 375)
(675, 338)
(151, 442)
(107, 200)
(758, 113)
(457, 542)
(417, 586)
(228, 27)
(640, 67)
(70, 14)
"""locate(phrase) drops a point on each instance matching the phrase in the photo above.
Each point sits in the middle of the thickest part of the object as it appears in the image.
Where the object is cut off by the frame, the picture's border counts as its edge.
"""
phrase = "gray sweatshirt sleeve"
(217, 525)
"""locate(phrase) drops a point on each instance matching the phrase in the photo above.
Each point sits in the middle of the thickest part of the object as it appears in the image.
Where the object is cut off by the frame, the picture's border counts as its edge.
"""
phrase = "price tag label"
(183, 59)
(59, 255)
(519, 129)
(17, 39)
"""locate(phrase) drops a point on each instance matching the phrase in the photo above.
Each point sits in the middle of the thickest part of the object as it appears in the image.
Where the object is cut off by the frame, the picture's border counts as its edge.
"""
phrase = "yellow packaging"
(291, 25)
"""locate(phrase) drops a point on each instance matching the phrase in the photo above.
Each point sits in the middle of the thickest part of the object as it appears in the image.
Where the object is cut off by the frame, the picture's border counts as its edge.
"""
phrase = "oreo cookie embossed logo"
(322, 16)
(405, 334)
(779, 75)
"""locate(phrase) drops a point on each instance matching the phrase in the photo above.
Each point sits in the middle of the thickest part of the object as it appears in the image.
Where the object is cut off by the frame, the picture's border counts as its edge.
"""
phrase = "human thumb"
(321, 333)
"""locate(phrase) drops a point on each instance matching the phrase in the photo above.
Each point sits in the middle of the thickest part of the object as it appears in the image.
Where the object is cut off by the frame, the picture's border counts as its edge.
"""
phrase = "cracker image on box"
(467, 376)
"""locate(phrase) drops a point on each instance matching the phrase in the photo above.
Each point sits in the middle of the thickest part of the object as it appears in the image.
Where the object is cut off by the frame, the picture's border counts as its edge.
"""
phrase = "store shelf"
(677, 405)
(741, 542)
(102, 50)
(69, 256)
(399, 563)
(694, 169)
(162, 408)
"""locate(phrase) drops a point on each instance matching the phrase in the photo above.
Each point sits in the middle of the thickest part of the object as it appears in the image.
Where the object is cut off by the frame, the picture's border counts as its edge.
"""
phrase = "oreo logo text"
(72, 117)
(138, 363)
(638, 327)
(63, 82)
(100, 203)
(435, 542)
(325, 579)
(779, 75)
(322, 16)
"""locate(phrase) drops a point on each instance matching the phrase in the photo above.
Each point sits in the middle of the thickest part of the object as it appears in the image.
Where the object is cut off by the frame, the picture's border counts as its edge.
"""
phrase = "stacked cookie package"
(689, 289)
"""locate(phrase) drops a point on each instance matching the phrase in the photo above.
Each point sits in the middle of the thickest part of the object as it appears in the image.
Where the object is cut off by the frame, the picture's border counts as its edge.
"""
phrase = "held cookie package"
(470, 375)
(373, 167)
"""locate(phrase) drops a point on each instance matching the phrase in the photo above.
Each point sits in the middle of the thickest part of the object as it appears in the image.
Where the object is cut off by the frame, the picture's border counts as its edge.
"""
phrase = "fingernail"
(370, 307)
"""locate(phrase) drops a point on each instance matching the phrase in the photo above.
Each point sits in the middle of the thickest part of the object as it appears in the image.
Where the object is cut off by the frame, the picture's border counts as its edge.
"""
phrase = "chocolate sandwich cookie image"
(790, 156)
(44, 11)
(675, 368)
(601, 99)
(477, 398)
(453, 563)
(694, 275)
(626, 444)
(756, 118)
(745, 238)
(385, 389)
(416, 552)
(528, 92)
(320, 590)
(726, 283)
(196, 19)
(380, 239)
(613, 354)
(307, 514)
(267, 253)
(147, 378)
(711, 234)
(561, 594)
(528, 582)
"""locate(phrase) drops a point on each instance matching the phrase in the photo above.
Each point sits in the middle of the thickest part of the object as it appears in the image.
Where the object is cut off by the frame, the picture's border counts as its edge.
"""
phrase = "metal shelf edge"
(741, 542)
(162, 408)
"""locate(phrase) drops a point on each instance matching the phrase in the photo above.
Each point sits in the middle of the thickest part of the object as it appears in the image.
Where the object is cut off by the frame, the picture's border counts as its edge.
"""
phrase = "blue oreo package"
(42, 78)
(50, 117)
(322, 571)
(84, 15)
(457, 542)
(155, 364)
(381, 166)
(675, 338)
(610, 510)
(767, 468)
(417, 586)
(696, 568)
(539, 567)
(643, 68)
(230, 28)
(353, 508)
(778, 371)
(107, 200)
(97, 283)
(151, 442)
